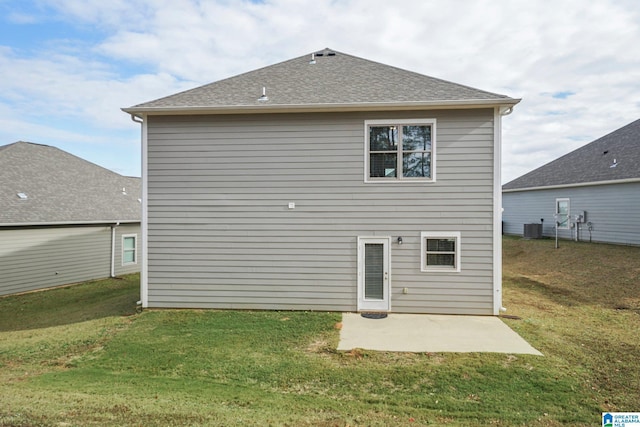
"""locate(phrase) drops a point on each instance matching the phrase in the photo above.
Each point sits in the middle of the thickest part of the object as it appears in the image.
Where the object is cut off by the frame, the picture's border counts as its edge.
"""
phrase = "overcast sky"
(68, 66)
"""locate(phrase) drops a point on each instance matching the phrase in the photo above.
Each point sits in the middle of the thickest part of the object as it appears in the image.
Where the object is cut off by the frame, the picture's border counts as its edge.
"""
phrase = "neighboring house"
(592, 192)
(63, 219)
(325, 182)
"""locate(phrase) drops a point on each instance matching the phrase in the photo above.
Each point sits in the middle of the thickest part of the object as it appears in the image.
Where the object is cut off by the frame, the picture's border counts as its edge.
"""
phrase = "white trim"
(135, 248)
(398, 179)
(424, 235)
(59, 223)
(568, 200)
(497, 211)
(328, 107)
(377, 305)
(579, 184)
(144, 226)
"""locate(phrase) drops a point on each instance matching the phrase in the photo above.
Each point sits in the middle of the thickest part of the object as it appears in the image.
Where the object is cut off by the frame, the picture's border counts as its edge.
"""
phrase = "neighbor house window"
(400, 150)
(129, 249)
(440, 251)
(562, 213)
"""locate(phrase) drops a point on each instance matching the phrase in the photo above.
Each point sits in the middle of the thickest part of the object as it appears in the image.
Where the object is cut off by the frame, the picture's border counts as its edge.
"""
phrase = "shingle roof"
(593, 162)
(333, 80)
(62, 188)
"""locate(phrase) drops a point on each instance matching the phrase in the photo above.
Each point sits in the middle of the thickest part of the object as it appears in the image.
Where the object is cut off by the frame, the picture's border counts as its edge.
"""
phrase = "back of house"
(325, 182)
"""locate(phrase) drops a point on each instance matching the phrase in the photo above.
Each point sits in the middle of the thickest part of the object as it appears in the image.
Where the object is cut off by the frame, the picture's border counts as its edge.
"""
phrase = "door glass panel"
(374, 271)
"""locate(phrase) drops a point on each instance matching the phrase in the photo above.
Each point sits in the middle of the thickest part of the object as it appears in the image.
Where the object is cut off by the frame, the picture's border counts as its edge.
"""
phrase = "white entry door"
(374, 275)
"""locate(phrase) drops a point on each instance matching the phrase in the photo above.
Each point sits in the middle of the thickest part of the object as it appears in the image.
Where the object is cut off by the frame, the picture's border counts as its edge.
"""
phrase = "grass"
(81, 356)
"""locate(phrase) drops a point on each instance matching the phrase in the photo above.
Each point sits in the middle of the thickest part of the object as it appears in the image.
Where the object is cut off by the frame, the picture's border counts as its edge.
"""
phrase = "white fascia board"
(578, 184)
(329, 107)
(62, 223)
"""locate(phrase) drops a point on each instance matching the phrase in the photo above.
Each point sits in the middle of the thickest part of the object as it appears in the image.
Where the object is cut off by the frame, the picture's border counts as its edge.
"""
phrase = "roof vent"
(326, 52)
(313, 58)
(23, 196)
(614, 164)
(264, 96)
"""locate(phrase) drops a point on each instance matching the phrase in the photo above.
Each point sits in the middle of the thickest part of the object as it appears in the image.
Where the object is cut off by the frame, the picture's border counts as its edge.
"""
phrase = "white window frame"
(568, 224)
(440, 235)
(135, 248)
(399, 122)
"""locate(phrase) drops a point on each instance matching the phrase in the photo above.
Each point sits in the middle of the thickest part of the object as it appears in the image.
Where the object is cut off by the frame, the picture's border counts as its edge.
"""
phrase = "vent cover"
(326, 52)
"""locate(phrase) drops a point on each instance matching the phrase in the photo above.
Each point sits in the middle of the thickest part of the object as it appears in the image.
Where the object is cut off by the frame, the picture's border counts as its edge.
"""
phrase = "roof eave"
(70, 223)
(320, 108)
(576, 184)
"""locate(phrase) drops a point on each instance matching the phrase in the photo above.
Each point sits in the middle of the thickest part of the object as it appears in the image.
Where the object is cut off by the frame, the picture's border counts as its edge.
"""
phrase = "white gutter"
(578, 184)
(60, 223)
(328, 107)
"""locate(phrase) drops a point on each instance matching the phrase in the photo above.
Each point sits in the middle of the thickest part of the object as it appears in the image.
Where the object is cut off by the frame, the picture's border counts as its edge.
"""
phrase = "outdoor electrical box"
(581, 217)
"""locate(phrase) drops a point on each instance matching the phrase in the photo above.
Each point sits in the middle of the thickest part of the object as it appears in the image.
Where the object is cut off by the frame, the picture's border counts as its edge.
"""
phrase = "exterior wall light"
(399, 240)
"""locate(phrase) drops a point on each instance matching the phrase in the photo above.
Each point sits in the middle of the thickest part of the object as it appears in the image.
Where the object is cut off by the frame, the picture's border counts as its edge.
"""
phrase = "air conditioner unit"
(533, 231)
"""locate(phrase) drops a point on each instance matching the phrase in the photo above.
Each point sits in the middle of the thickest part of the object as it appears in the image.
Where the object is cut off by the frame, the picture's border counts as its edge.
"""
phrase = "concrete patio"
(431, 333)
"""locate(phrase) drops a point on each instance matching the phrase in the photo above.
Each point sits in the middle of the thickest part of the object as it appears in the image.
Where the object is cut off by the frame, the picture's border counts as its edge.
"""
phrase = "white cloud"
(530, 49)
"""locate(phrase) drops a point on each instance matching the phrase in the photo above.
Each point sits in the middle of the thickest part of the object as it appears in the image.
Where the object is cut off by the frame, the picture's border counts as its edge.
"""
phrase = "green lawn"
(81, 356)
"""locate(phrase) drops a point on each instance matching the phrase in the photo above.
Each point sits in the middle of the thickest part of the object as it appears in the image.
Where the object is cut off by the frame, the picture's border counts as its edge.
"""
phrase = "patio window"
(440, 251)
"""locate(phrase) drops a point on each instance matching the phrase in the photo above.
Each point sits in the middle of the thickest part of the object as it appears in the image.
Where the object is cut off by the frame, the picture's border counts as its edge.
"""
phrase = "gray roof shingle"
(590, 163)
(335, 80)
(62, 188)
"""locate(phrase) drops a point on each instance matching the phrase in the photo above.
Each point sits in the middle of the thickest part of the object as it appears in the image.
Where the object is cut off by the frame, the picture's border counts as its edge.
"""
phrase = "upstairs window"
(400, 150)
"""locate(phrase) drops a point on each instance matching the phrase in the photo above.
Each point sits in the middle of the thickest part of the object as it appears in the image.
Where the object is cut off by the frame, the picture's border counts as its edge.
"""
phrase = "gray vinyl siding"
(221, 234)
(613, 210)
(34, 258)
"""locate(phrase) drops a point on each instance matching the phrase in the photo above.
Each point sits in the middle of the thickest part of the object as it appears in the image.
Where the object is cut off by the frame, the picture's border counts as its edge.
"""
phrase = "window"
(129, 249)
(400, 150)
(440, 251)
(562, 213)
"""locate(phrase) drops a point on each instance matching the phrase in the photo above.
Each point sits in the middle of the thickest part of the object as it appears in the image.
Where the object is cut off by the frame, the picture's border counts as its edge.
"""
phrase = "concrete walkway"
(431, 333)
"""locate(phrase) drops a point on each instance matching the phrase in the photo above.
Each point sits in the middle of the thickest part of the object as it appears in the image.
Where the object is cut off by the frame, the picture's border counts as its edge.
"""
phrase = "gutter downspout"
(113, 249)
(144, 274)
(499, 113)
